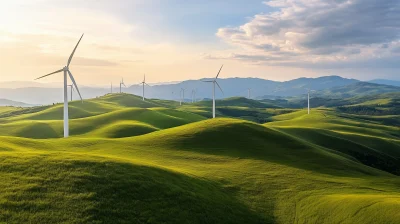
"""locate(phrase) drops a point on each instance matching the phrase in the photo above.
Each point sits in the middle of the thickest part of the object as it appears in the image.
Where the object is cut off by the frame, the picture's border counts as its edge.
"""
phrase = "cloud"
(308, 32)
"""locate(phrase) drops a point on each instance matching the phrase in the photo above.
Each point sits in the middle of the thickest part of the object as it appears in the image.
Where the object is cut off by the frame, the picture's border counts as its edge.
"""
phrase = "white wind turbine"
(144, 83)
(182, 96)
(194, 91)
(120, 85)
(249, 93)
(215, 82)
(72, 89)
(66, 70)
(308, 98)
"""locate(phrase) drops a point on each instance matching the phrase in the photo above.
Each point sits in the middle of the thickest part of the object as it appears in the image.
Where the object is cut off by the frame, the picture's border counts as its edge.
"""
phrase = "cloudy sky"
(179, 39)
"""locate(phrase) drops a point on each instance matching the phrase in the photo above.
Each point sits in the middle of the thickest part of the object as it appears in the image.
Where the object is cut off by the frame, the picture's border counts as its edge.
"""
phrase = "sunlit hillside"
(129, 161)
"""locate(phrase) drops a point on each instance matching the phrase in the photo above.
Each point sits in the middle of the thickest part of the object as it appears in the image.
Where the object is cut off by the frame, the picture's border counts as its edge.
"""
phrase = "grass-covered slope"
(134, 161)
(114, 116)
(358, 89)
(371, 143)
(213, 171)
(237, 102)
(118, 123)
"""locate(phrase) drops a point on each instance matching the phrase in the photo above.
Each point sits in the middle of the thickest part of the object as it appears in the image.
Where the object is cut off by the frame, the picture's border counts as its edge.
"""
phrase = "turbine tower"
(72, 89)
(213, 92)
(182, 96)
(308, 98)
(144, 83)
(194, 95)
(66, 71)
(120, 85)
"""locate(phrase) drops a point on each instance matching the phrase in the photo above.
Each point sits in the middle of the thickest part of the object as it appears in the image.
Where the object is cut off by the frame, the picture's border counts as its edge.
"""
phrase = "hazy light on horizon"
(37, 36)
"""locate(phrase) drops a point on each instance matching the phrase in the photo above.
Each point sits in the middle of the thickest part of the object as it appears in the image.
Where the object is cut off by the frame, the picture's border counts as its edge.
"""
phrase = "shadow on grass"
(43, 189)
(251, 141)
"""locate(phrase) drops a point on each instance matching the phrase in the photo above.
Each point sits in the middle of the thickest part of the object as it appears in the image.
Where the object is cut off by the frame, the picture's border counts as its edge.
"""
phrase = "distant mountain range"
(327, 86)
(385, 82)
(358, 89)
(5, 102)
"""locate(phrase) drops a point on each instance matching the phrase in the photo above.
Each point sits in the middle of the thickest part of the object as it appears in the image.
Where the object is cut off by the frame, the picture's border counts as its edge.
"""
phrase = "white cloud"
(307, 32)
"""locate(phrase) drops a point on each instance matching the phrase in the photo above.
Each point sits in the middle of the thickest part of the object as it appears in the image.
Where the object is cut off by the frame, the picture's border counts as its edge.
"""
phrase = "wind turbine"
(66, 70)
(308, 98)
(182, 96)
(194, 95)
(144, 83)
(120, 85)
(215, 82)
(72, 89)
(249, 93)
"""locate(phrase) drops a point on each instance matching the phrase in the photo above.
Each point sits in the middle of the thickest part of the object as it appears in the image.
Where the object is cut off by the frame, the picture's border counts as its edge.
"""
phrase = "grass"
(100, 117)
(152, 164)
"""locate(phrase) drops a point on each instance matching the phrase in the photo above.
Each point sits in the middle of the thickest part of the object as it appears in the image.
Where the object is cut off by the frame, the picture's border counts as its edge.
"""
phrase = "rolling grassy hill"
(214, 171)
(358, 89)
(371, 143)
(130, 161)
(114, 116)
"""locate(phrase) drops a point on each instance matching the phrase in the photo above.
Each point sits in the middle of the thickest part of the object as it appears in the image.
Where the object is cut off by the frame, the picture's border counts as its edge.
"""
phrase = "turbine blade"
(50, 74)
(219, 88)
(146, 84)
(219, 72)
(144, 78)
(73, 81)
(73, 52)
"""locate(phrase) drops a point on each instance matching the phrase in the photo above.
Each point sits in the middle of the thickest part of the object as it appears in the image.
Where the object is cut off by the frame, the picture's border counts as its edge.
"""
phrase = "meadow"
(129, 161)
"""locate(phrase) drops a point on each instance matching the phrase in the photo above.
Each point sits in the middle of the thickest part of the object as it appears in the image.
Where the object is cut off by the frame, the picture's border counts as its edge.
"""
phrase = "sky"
(190, 39)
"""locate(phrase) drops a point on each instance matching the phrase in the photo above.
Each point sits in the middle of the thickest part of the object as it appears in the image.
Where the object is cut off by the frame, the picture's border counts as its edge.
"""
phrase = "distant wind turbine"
(194, 91)
(215, 82)
(249, 93)
(308, 98)
(72, 89)
(182, 96)
(120, 85)
(144, 83)
(66, 70)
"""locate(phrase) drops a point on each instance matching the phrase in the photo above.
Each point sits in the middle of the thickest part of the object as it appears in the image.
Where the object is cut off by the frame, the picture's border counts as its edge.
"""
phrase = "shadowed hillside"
(201, 172)
(129, 161)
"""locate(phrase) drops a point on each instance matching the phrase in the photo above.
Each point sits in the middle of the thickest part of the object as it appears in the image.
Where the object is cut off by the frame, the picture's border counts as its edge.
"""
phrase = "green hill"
(128, 100)
(117, 123)
(109, 116)
(236, 107)
(358, 89)
(238, 102)
(134, 161)
(373, 144)
(213, 171)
